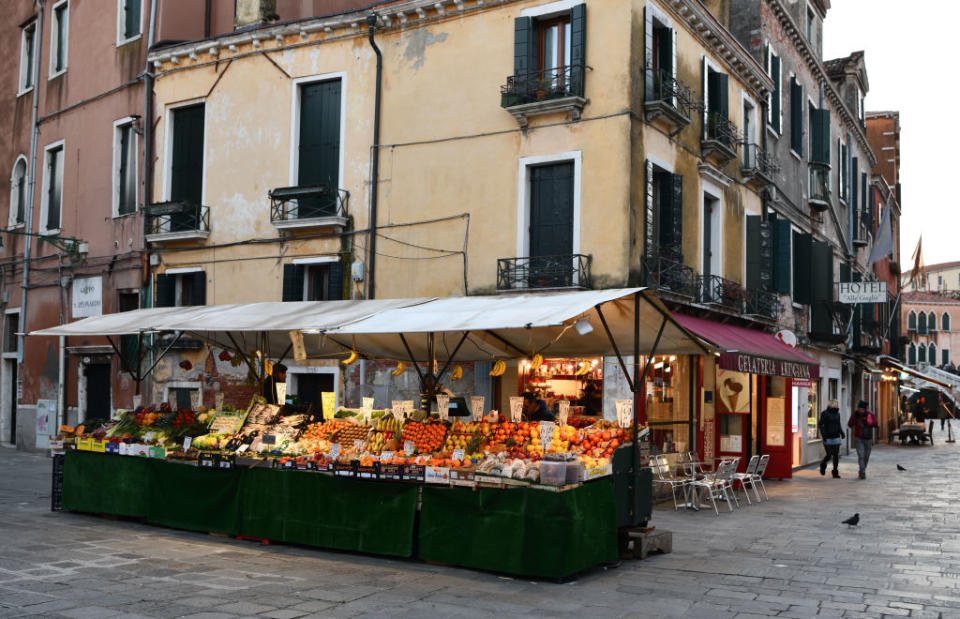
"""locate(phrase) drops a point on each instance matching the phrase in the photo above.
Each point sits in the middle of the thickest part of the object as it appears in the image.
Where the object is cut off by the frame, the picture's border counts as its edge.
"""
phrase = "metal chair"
(758, 476)
(728, 478)
(665, 478)
(715, 486)
(746, 478)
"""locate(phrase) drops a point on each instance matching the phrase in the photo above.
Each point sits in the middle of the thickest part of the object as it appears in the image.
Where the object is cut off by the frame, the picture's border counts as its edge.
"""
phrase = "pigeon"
(852, 520)
(900, 468)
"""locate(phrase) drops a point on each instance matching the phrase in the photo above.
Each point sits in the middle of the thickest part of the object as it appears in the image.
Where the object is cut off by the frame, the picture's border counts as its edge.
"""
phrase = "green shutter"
(578, 47)
(753, 252)
(131, 18)
(821, 288)
(671, 216)
(802, 247)
(782, 258)
(766, 255)
(166, 291)
(911, 354)
(198, 288)
(293, 282)
(524, 46)
(186, 183)
(335, 281)
(649, 216)
(648, 81)
(854, 198)
(820, 131)
(796, 116)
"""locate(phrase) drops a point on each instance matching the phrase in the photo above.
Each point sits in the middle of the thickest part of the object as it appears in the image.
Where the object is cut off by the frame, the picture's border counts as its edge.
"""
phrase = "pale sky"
(909, 49)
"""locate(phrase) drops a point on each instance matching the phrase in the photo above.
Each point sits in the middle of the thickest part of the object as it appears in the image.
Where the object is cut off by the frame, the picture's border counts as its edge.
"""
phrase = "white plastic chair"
(746, 478)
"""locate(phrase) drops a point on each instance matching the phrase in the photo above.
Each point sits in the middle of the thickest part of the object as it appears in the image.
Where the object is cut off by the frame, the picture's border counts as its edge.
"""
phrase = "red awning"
(752, 351)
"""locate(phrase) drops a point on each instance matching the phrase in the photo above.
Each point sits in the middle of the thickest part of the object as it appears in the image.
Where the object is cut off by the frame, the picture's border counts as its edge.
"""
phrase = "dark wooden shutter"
(293, 282)
(551, 210)
(753, 252)
(648, 79)
(186, 184)
(649, 216)
(854, 198)
(671, 216)
(198, 288)
(335, 281)
(911, 354)
(524, 46)
(820, 130)
(821, 288)
(912, 321)
(319, 147)
(782, 258)
(166, 290)
(864, 194)
(796, 116)
(578, 47)
(776, 97)
(802, 247)
(131, 18)
(766, 254)
(922, 323)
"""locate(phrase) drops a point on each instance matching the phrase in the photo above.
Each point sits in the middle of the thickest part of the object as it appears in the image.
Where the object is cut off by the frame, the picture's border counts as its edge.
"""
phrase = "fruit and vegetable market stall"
(493, 492)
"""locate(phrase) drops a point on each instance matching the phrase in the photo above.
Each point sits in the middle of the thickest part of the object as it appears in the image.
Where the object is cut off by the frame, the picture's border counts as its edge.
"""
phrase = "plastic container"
(553, 473)
(574, 471)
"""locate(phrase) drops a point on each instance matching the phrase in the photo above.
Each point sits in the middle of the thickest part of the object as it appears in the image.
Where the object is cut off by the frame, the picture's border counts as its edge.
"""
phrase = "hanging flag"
(883, 244)
(917, 275)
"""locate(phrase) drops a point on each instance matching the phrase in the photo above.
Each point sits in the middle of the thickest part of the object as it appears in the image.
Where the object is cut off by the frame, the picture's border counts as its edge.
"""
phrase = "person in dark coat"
(831, 430)
(535, 409)
(864, 424)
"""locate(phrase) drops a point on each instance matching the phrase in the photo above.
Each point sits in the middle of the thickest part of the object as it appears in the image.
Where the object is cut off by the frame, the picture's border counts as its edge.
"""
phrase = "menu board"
(776, 422)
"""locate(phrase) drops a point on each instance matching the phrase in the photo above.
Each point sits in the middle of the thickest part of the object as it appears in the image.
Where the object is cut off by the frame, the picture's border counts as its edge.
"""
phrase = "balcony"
(314, 206)
(671, 276)
(669, 101)
(759, 167)
(544, 92)
(543, 272)
(819, 186)
(762, 303)
(726, 293)
(177, 221)
(720, 138)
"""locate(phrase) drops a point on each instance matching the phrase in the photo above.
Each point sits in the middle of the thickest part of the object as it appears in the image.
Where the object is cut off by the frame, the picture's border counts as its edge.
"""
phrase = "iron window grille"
(308, 202)
(539, 272)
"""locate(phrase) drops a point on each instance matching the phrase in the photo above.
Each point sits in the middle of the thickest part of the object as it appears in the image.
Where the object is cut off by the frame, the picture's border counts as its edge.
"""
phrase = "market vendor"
(535, 409)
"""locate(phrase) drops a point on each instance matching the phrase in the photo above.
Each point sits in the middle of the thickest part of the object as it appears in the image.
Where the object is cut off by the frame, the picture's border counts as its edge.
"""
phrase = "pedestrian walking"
(831, 429)
(863, 423)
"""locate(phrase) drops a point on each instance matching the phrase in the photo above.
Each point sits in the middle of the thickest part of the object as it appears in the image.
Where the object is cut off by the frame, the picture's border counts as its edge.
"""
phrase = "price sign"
(357, 444)
(624, 413)
(335, 450)
(328, 402)
(386, 455)
(365, 413)
(457, 454)
(148, 436)
(269, 439)
(546, 434)
(281, 393)
(408, 406)
(443, 406)
(397, 410)
(243, 448)
(296, 341)
(218, 401)
(516, 408)
(367, 402)
(476, 407)
(409, 447)
(194, 399)
(187, 441)
(564, 411)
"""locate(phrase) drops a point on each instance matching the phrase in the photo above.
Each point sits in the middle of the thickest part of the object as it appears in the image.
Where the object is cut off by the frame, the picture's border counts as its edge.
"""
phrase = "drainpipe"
(34, 128)
(375, 172)
(147, 146)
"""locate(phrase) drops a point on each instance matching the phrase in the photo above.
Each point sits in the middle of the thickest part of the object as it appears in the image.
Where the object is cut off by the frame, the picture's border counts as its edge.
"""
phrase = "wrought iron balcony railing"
(543, 84)
(672, 92)
(720, 129)
(177, 219)
(758, 161)
(724, 292)
(761, 303)
(819, 185)
(308, 204)
(565, 271)
(664, 274)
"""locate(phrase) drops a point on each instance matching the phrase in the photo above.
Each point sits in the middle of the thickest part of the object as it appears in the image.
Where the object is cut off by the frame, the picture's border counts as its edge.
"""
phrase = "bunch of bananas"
(401, 368)
(457, 372)
(498, 368)
(536, 362)
(583, 368)
(354, 355)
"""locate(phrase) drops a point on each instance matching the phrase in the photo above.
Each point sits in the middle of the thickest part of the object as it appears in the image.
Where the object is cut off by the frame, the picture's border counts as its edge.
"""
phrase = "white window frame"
(121, 22)
(182, 384)
(754, 138)
(25, 71)
(295, 121)
(12, 222)
(308, 264)
(118, 125)
(178, 288)
(168, 146)
(707, 66)
(769, 120)
(523, 197)
(716, 231)
(55, 44)
(45, 197)
(843, 176)
(804, 121)
(551, 9)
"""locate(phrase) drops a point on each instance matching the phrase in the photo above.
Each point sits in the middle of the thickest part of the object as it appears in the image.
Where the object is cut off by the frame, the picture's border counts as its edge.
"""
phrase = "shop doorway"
(309, 389)
(551, 225)
(97, 396)
(734, 405)
(10, 387)
(777, 425)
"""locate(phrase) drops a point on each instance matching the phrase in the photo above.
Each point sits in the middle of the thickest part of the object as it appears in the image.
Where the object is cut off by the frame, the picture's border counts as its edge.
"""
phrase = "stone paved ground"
(788, 557)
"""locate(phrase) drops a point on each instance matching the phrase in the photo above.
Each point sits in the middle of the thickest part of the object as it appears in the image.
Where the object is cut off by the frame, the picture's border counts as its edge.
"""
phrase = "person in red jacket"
(863, 423)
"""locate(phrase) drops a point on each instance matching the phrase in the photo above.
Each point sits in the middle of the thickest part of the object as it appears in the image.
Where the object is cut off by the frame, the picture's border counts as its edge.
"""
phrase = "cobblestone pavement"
(788, 557)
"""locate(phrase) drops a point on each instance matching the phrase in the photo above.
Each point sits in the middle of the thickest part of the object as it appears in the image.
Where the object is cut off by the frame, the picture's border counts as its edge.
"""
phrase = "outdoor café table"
(691, 496)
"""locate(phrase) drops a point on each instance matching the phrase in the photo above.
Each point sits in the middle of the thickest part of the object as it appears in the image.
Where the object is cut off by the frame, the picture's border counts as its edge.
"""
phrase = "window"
(911, 354)
(921, 353)
(944, 357)
(669, 409)
(796, 116)
(922, 323)
(912, 321)
(711, 238)
(28, 55)
(318, 146)
(811, 23)
(553, 43)
(185, 167)
(316, 280)
(802, 255)
(661, 56)
(861, 112)
(932, 354)
(716, 108)
(58, 38)
(129, 23)
(51, 202)
(178, 289)
(11, 323)
(931, 322)
(129, 300)
(18, 192)
(124, 167)
(844, 175)
(749, 135)
(820, 135)
(775, 98)
(664, 215)
(945, 322)
(549, 46)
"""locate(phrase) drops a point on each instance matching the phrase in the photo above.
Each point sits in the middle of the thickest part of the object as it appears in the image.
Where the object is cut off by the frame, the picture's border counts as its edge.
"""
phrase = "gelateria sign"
(752, 364)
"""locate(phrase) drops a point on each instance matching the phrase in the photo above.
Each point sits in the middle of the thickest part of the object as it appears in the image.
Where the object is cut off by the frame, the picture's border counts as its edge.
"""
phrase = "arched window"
(18, 191)
(912, 321)
(921, 353)
(945, 322)
(922, 323)
(932, 322)
(911, 354)
(932, 354)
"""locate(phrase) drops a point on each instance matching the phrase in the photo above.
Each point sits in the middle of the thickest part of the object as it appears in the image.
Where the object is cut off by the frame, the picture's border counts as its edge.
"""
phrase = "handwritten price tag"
(367, 402)
(443, 406)
(476, 407)
(409, 447)
(564, 411)
(457, 454)
(408, 406)
(546, 434)
(386, 455)
(187, 441)
(335, 450)
(516, 408)
(624, 413)
(357, 444)
(398, 409)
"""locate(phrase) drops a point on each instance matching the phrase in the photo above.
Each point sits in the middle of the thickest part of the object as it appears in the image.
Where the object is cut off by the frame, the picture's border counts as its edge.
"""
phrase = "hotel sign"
(752, 364)
(862, 292)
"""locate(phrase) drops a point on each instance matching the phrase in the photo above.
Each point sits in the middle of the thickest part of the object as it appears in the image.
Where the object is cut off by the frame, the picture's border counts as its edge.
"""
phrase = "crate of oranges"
(427, 437)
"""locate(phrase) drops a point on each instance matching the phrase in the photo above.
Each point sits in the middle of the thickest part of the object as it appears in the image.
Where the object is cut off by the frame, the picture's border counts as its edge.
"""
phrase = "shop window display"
(668, 404)
(813, 412)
